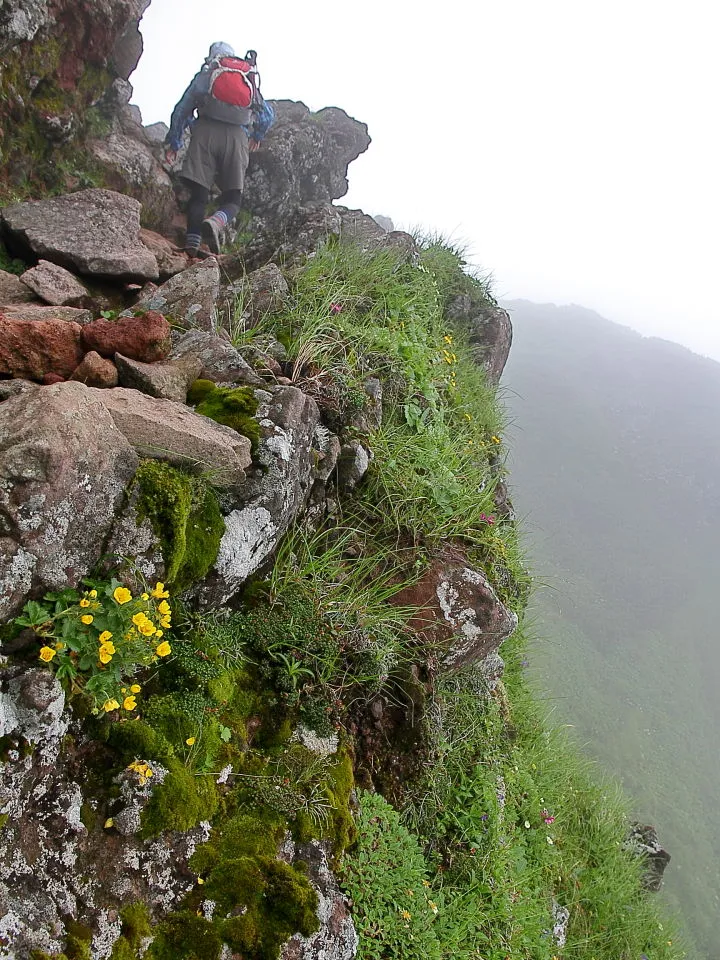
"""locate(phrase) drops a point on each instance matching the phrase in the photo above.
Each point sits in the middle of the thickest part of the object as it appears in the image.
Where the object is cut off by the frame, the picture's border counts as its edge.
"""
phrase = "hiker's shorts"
(218, 154)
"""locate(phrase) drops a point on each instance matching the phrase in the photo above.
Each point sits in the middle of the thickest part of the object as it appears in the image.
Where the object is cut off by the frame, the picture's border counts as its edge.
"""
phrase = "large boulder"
(288, 460)
(189, 297)
(64, 467)
(171, 431)
(95, 232)
(458, 612)
(304, 158)
(31, 349)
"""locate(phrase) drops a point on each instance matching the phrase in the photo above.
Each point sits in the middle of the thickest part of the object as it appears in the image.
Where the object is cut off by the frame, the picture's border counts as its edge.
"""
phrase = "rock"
(94, 232)
(643, 842)
(268, 291)
(272, 495)
(33, 311)
(352, 465)
(64, 467)
(221, 362)
(134, 537)
(55, 285)
(156, 132)
(491, 339)
(145, 337)
(385, 222)
(30, 349)
(303, 159)
(13, 290)
(189, 297)
(169, 260)
(127, 50)
(168, 381)
(171, 431)
(369, 418)
(33, 707)
(50, 378)
(13, 388)
(459, 613)
(336, 939)
(131, 167)
(96, 371)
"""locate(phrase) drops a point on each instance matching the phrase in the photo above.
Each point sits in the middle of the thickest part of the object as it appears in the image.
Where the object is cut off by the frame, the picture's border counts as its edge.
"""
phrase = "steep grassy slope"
(616, 464)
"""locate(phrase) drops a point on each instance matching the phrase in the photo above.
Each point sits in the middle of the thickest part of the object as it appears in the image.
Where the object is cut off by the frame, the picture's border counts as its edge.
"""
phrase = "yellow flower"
(93, 594)
(447, 338)
(139, 619)
(165, 622)
(47, 653)
(87, 619)
(129, 703)
(190, 741)
(122, 595)
(496, 439)
(135, 688)
(201, 881)
(164, 608)
(59, 645)
(163, 649)
(84, 602)
(111, 705)
(426, 883)
(145, 596)
(105, 636)
(105, 657)
(147, 629)
(406, 915)
(108, 823)
(159, 633)
(109, 646)
(160, 592)
(433, 906)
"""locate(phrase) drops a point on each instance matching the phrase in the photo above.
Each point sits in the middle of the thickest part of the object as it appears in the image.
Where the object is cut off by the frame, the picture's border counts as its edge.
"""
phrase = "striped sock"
(221, 217)
(192, 241)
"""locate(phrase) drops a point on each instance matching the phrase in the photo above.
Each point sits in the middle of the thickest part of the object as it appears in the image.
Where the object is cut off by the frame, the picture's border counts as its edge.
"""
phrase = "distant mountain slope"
(616, 464)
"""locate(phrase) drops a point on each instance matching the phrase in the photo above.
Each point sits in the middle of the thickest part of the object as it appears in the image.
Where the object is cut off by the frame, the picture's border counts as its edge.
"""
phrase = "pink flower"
(336, 308)
(547, 818)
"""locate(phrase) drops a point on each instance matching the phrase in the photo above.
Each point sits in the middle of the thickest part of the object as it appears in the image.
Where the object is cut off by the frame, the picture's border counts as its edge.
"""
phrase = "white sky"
(573, 145)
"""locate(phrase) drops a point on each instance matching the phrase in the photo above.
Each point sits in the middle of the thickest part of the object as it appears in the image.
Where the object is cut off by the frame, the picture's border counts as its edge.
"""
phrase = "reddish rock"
(169, 260)
(30, 349)
(145, 337)
(50, 378)
(96, 371)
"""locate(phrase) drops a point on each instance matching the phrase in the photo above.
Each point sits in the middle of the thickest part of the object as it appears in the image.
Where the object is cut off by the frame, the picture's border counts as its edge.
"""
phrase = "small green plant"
(98, 639)
(395, 907)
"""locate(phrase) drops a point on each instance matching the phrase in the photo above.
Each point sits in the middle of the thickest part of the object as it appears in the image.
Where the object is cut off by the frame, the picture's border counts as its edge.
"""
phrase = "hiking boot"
(212, 234)
(198, 253)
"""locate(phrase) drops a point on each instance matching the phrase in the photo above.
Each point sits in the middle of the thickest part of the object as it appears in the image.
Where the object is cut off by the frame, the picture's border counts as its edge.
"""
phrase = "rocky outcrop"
(221, 362)
(64, 468)
(459, 613)
(96, 232)
(490, 332)
(55, 285)
(189, 297)
(644, 843)
(305, 158)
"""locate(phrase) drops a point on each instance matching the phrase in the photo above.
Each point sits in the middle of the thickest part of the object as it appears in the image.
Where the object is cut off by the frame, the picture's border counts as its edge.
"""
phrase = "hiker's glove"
(254, 145)
(170, 155)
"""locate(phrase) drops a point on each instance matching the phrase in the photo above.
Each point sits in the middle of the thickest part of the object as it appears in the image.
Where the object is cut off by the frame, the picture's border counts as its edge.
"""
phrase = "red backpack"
(234, 81)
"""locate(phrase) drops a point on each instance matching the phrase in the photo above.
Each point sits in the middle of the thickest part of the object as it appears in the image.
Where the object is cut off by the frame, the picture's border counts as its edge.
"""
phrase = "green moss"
(139, 739)
(88, 816)
(78, 940)
(181, 801)
(340, 783)
(136, 926)
(185, 517)
(185, 936)
(234, 407)
(199, 390)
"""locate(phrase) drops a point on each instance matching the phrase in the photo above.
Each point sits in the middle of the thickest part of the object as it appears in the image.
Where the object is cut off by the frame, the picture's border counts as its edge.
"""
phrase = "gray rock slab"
(221, 362)
(94, 232)
(36, 311)
(167, 381)
(170, 431)
(189, 298)
(55, 285)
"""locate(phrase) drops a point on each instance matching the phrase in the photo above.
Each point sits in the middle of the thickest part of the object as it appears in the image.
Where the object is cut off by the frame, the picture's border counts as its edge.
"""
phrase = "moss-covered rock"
(232, 406)
(185, 517)
(181, 801)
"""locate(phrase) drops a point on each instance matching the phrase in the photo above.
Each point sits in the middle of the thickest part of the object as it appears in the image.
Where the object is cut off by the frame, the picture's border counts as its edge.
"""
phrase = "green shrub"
(394, 906)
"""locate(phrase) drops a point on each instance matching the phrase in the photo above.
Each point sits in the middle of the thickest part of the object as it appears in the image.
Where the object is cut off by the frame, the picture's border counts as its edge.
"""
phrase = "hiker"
(232, 119)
